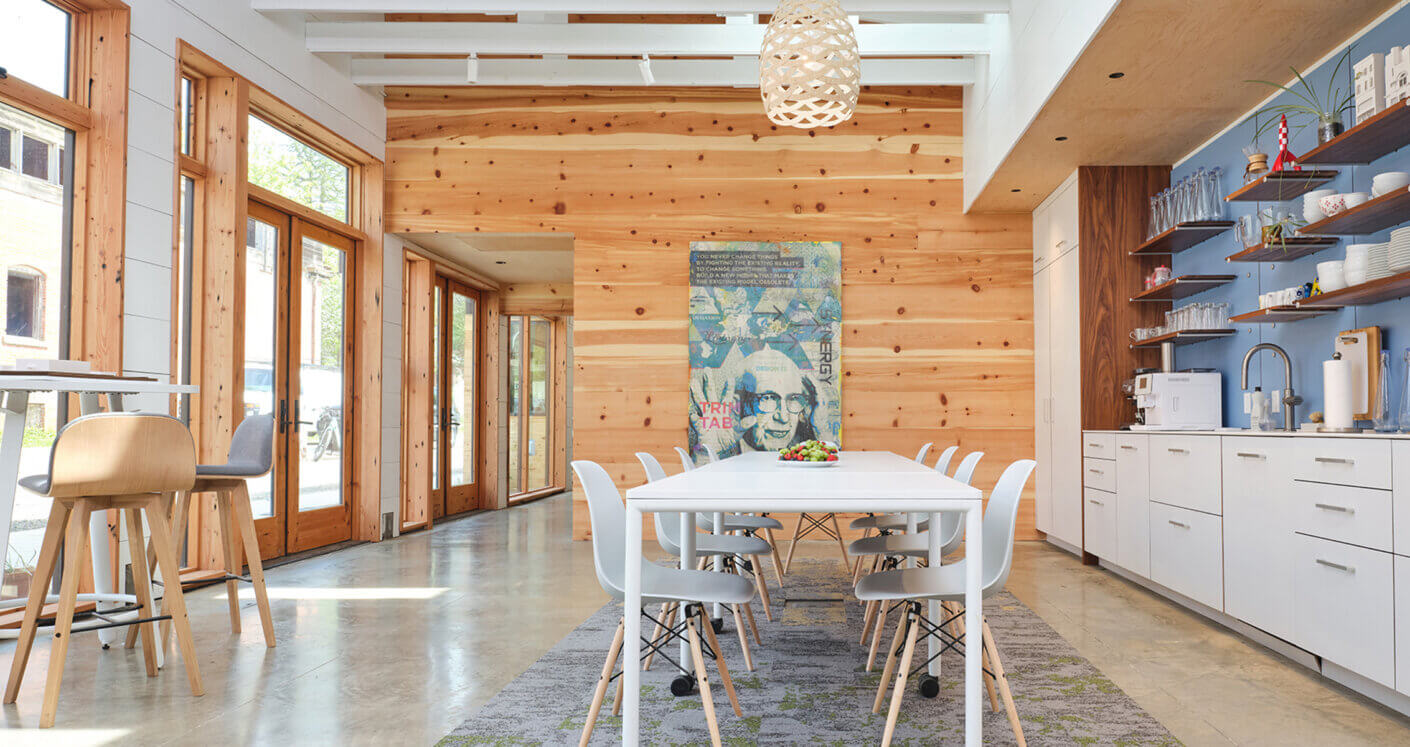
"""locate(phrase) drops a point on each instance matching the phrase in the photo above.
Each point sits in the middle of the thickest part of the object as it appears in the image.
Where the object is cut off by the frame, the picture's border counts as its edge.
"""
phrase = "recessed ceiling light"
(501, 262)
(1015, 190)
(1060, 138)
(1114, 76)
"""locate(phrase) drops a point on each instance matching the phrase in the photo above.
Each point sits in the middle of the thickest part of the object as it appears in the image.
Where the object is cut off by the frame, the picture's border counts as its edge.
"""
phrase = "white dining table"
(16, 388)
(860, 481)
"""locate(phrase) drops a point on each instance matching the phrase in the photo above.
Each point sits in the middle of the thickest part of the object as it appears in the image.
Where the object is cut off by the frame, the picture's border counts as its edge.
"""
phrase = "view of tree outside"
(285, 166)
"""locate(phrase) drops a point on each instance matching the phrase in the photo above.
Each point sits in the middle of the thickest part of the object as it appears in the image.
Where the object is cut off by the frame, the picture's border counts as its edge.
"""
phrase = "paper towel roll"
(1338, 393)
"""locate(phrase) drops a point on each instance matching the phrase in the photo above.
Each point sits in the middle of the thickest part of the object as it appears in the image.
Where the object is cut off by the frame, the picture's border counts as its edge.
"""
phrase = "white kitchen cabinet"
(1400, 500)
(1065, 398)
(1402, 624)
(1099, 474)
(1042, 405)
(1344, 461)
(1344, 606)
(1186, 553)
(1356, 516)
(1133, 527)
(1099, 521)
(1185, 471)
(1055, 224)
(1097, 445)
(1258, 533)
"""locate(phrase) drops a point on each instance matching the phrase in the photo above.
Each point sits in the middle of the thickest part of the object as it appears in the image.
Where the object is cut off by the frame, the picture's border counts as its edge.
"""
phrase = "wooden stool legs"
(245, 518)
(38, 590)
(173, 600)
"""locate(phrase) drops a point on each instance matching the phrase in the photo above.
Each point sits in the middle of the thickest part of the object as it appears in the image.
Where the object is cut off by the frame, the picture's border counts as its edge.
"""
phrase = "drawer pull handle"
(1330, 507)
(1174, 450)
(1337, 566)
(1095, 446)
(1095, 471)
(1128, 446)
(1250, 455)
(1174, 523)
(1060, 244)
(1334, 460)
(1097, 502)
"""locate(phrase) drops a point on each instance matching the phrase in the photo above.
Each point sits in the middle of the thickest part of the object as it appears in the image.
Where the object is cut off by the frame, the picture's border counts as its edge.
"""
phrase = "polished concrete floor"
(395, 642)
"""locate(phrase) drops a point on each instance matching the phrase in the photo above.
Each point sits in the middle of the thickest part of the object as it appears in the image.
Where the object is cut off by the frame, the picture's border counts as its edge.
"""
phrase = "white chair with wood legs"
(732, 549)
(946, 584)
(871, 522)
(691, 589)
(745, 523)
(251, 455)
(888, 550)
(123, 461)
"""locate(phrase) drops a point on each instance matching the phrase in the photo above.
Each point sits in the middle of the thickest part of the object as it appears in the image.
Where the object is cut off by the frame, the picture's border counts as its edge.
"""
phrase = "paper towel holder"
(1336, 356)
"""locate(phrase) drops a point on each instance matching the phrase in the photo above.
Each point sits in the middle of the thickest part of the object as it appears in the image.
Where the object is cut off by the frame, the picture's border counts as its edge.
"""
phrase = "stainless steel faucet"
(1290, 400)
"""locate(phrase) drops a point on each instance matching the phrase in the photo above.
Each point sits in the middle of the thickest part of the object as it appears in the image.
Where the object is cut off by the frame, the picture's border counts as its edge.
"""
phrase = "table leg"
(974, 620)
(688, 561)
(11, 442)
(98, 532)
(631, 617)
(719, 518)
(934, 613)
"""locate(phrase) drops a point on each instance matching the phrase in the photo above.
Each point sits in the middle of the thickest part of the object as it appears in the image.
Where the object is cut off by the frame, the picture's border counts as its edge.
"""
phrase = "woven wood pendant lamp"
(809, 68)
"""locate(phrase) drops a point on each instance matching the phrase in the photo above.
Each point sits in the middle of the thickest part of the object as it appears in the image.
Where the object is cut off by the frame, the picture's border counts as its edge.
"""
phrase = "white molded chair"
(729, 548)
(659, 585)
(746, 523)
(946, 584)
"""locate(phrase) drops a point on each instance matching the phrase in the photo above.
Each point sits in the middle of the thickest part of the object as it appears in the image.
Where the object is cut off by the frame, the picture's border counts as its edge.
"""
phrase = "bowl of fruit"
(809, 454)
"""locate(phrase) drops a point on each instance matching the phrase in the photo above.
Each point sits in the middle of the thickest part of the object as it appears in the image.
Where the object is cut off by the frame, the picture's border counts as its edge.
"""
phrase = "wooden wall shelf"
(1182, 287)
(1185, 337)
(1276, 314)
(1183, 236)
(1365, 294)
(1390, 209)
(1277, 186)
(1368, 141)
(1286, 250)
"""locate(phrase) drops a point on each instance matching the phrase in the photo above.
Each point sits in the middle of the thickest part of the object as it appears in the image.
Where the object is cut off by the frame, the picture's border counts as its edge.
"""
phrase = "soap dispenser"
(1258, 409)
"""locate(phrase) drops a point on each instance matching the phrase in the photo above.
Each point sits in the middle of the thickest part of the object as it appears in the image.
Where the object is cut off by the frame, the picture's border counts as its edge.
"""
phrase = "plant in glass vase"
(1277, 228)
(1310, 105)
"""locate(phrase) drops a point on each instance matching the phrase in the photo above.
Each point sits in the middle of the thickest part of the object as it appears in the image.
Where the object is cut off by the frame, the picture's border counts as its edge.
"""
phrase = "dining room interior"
(556, 372)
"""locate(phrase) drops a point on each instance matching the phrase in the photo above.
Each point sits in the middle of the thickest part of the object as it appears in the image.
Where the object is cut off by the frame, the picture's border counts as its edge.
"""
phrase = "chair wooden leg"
(173, 600)
(142, 579)
(901, 625)
(773, 552)
(180, 510)
(868, 618)
(957, 629)
(702, 680)
(720, 661)
(900, 690)
(76, 541)
(38, 591)
(229, 549)
(762, 585)
(1003, 682)
(857, 571)
(245, 524)
(846, 559)
(601, 691)
(753, 626)
(743, 637)
(793, 545)
(882, 612)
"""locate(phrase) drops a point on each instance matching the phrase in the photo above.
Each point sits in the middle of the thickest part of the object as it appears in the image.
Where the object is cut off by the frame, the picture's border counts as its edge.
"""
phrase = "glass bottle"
(1382, 421)
(1405, 395)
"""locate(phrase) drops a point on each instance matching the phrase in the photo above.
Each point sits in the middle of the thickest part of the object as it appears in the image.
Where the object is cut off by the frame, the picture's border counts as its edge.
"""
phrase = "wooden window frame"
(555, 400)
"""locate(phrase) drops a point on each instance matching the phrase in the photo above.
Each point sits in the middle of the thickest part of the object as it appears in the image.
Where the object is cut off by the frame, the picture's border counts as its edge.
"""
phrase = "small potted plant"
(1325, 110)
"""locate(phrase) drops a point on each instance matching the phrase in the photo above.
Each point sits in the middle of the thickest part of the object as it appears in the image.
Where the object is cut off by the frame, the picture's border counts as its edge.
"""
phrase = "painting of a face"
(779, 402)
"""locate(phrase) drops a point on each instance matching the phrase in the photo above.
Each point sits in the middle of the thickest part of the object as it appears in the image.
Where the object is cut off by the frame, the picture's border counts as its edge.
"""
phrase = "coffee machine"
(1190, 401)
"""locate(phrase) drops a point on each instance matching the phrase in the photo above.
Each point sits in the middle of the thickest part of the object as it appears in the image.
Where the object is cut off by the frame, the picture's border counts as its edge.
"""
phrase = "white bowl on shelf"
(1389, 182)
(1311, 211)
(1331, 276)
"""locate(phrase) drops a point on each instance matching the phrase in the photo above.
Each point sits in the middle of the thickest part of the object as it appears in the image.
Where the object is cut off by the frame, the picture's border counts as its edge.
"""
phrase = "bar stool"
(125, 461)
(251, 455)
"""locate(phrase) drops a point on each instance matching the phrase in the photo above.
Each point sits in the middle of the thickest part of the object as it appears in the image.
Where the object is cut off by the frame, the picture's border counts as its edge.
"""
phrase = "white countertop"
(1265, 434)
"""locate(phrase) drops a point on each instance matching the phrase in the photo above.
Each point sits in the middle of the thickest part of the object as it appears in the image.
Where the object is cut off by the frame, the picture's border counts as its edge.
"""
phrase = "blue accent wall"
(1308, 342)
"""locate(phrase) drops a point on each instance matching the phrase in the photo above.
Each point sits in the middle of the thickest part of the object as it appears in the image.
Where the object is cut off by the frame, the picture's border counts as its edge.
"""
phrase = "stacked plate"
(1378, 262)
(1398, 255)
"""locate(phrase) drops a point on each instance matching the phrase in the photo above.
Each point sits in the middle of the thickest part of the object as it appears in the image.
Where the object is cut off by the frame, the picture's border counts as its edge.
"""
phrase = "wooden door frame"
(469, 498)
(554, 430)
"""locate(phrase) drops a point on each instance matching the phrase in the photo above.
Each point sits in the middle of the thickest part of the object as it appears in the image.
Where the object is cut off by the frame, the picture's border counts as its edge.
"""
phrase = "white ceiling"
(506, 257)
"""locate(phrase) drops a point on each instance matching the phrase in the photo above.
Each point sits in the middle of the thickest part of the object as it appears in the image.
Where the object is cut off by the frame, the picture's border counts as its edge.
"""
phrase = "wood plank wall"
(937, 306)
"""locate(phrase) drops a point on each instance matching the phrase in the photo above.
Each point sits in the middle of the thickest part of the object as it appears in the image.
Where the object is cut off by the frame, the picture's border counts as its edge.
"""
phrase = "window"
(36, 158)
(24, 303)
(5, 149)
(188, 115)
(34, 36)
(288, 167)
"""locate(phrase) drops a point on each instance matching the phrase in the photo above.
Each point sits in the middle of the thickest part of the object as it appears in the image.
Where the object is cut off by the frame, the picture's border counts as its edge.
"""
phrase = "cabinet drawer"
(1099, 445)
(1099, 474)
(1358, 516)
(1099, 524)
(1185, 472)
(1345, 609)
(1132, 465)
(1344, 461)
(1401, 500)
(1187, 553)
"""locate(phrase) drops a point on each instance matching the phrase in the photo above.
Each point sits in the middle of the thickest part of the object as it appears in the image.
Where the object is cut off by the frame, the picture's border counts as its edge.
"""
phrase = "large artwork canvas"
(765, 345)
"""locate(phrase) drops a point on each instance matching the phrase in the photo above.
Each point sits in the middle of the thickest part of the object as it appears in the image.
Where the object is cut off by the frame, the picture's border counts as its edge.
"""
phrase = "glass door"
(455, 449)
(530, 409)
(297, 346)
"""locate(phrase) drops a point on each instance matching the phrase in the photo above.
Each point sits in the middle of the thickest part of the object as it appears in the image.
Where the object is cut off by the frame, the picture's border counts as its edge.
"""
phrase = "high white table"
(16, 390)
(862, 481)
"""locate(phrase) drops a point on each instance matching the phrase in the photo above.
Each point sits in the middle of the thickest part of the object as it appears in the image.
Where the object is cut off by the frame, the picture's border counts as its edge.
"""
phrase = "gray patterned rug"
(810, 685)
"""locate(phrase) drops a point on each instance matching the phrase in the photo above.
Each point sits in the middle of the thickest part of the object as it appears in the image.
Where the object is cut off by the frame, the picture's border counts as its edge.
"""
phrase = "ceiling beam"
(733, 72)
(613, 6)
(604, 39)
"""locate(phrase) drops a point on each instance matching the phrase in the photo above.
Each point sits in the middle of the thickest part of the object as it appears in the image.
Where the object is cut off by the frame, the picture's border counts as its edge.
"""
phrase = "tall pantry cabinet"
(1083, 278)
